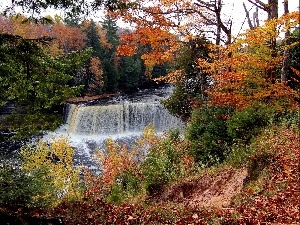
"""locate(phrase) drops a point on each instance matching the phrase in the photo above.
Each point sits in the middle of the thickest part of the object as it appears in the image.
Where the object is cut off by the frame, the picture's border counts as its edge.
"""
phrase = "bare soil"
(208, 190)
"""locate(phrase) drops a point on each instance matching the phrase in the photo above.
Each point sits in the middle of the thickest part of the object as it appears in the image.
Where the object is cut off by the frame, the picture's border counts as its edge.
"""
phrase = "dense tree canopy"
(238, 96)
(37, 83)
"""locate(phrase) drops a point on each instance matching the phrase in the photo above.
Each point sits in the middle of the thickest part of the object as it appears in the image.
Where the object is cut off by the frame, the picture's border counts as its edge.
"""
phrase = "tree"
(130, 70)
(286, 54)
(255, 17)
(249, 80)
(93, 38)
(271, 7)
(37, 82)
(167, 25)
(215, 8)
(34, 7)
(192, 82)
(293, 70)
(94, 77)
(272, 10)
(68, 38)
(109, 59)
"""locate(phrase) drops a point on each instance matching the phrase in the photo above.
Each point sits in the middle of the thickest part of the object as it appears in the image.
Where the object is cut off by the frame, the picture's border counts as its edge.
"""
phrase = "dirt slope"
(208, 190)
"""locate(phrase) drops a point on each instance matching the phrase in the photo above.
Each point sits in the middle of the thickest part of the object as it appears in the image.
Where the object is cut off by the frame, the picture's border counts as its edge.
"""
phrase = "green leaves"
(38, 83)
(207, 132)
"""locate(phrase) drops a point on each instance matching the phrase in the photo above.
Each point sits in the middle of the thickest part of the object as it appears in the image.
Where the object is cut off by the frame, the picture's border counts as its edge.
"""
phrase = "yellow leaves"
(25, 29)
(115, 160)
(55, 162)
(172, 77)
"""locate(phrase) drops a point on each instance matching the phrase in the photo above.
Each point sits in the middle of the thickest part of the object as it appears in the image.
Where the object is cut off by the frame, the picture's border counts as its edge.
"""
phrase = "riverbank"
(259, 188)
(89, 98)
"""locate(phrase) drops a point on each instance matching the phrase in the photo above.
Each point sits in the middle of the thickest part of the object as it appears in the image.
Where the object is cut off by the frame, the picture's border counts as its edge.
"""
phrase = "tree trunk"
(286, 54)
(272, 9)
(248, 17)
(255, 18)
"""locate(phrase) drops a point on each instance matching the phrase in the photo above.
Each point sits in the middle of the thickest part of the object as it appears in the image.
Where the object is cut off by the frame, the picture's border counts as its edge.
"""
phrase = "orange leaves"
(158, 25)
(126, 50)
(116, 161)
(129, 45)
(161, 45)
(172, 77)
(68, 38)
(243, 72)
(95, 68)
(297, 72)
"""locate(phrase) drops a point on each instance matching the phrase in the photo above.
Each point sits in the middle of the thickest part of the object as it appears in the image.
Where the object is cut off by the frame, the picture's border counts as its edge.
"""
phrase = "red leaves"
(243, 72)
(280, 199)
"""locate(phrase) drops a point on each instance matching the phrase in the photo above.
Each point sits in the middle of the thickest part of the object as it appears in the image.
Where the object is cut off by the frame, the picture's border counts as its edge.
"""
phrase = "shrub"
(166, 161)
(290, 119)
(53, 165)
(119, 176)
(179, 103)
(127, 185)
(21, 189)
(245, 124)
(207, 134)
(153, 161)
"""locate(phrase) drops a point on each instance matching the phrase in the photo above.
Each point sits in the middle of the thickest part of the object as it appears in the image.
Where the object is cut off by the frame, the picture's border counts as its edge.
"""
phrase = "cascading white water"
(122, 119)
(118, 119)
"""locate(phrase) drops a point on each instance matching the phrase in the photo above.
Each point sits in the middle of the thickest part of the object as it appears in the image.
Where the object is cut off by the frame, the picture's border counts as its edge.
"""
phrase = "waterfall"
(119, 118)
(90, 124)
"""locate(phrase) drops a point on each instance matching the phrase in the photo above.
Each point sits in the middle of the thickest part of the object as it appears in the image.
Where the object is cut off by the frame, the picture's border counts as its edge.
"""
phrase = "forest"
(237, 94)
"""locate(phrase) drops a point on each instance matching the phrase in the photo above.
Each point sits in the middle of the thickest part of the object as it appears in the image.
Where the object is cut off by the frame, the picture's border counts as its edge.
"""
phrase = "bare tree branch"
(248, 17)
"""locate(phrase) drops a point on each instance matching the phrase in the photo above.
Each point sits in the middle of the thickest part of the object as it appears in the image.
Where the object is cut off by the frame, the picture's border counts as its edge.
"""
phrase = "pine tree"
(109, 25)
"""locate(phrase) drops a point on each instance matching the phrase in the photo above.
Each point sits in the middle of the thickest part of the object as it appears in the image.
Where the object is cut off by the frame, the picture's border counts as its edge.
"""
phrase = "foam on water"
(89, 126)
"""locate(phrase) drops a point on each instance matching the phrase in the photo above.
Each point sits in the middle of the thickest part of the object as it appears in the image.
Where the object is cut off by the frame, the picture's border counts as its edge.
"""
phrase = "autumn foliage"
(243, 72)
(246, 119)
(275, 198)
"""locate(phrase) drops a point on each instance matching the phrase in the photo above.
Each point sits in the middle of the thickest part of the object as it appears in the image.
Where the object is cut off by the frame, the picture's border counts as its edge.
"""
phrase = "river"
(121, 118)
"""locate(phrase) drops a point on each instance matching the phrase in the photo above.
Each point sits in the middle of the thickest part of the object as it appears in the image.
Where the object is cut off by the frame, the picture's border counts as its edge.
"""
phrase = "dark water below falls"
(121, 118)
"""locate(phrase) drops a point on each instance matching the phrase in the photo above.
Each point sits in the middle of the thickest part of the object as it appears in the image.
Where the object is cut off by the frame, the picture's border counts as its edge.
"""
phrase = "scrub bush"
(153, 161)
(247, 123)
(167, 160)
(207, 134)
(162, 163)
(54, 163)
(46, 176)
(18, 188)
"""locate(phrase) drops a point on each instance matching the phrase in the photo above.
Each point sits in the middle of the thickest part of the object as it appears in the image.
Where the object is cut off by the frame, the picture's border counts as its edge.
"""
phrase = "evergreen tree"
(36, 82)
(94, 42)
(109, 59)
(130, 71)
(73, 20)
(93, 39)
